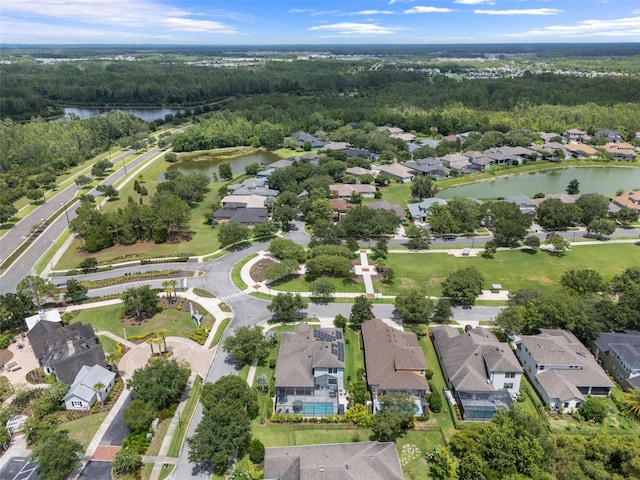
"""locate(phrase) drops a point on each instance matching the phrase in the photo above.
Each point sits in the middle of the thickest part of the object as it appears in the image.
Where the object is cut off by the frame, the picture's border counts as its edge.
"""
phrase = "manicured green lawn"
(354, 354)
(514, 270)
(412, 448)
(108, 344)
(396, 193)
(299, 283)
(237, 268)
(179, 324)
(277, 435)
(83, 429)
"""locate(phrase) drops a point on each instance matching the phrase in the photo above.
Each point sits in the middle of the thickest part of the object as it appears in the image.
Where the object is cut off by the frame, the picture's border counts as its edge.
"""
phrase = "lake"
(146, 114)
(604, 180)
(208, 167)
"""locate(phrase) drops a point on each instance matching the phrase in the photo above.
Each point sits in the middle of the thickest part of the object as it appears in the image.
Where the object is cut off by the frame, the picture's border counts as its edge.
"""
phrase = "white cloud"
(348, 28)
(301, 10)
(524, 11)
(373, 12)
(325, 12)
(474, 2)
(119, 13)
(621, 27)
(428, 10)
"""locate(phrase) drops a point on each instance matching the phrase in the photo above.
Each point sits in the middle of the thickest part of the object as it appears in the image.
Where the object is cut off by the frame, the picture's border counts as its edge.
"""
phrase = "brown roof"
(631, 200)
(397, 170)
(387, 352)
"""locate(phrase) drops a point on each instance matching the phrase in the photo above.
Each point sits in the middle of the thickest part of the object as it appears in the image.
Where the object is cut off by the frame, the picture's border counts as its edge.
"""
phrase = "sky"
(277, 22)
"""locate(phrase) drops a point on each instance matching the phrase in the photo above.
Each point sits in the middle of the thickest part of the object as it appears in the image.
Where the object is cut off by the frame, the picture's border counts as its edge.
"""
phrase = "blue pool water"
(317, 408)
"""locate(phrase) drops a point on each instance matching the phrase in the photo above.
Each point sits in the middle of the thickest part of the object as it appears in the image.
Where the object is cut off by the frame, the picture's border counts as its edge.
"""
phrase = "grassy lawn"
(109, 318)
(237, 268)
(108, 344)
(515, 269)
(299, 283)
(277, 434)
(156, 442)
(83, 429)
(412, 448)
(166, 471)
(147, 468)
(397, 193)
(354, 354)
(187, 412)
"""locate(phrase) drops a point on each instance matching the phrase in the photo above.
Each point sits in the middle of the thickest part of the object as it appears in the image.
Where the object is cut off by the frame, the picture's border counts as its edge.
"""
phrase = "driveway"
(96, 471)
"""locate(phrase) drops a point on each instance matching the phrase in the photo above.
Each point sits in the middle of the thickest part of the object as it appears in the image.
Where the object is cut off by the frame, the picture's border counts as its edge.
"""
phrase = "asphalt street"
(19, 468)
(96, 471)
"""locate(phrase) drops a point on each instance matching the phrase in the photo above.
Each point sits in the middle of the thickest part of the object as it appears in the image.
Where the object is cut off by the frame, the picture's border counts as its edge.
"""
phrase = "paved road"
(96, 471)
(19, 468)
(117, 432)
(24, 265)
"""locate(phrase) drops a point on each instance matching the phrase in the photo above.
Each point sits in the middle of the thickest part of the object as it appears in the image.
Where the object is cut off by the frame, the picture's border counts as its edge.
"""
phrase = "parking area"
(19, 468)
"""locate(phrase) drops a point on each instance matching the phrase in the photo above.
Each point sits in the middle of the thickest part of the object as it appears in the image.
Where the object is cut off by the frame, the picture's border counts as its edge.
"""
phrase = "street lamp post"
(66, 214)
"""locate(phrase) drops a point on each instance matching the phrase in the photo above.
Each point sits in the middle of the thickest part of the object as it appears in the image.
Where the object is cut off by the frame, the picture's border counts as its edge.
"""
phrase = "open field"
(178, 323)
(83, 429)
(514, 269)
(298, 283)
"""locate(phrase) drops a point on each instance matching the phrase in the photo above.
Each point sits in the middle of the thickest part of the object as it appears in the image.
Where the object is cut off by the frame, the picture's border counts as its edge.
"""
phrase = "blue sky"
(257, 22)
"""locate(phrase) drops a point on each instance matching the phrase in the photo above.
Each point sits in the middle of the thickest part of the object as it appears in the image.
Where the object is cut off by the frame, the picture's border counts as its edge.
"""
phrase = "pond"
(208, 167)
(604, 180)
(146, 114)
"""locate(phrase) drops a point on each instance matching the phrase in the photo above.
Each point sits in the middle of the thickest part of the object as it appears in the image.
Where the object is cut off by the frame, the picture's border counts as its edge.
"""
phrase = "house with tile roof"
(581, 150)
(82, 394)
(397, 171)
(338, 461)
(619, 354)
(344, 190)
(621, 151)
(64, 350)
(630, 200)
(395, 363)
(309, 377)
(562, 369)
(482, 372)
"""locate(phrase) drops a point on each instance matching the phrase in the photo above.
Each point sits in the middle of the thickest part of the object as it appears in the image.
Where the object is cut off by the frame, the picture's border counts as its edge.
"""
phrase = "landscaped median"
(184, 418)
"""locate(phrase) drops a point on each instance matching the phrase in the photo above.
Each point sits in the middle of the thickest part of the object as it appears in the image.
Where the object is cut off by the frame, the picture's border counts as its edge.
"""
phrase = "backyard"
(513, 269)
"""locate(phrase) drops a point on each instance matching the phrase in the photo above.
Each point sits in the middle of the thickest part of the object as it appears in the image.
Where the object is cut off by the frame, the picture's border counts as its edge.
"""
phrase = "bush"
(593, 410)
(200, 335)
(136, 442)
(428, 374)
(256, 451)
(5, 340)
(435, 401)
(126, 461)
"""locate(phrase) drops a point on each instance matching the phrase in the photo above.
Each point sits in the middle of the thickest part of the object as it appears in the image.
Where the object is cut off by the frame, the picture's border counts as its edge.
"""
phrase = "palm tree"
(163, 333)
(631, 400)
(169, 289)
(98, 387)
(263, 382)
(151, 340)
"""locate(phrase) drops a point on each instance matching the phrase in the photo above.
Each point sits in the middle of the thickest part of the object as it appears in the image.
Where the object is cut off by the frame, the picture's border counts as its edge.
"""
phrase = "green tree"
(286, 306)
(509, 224)
(126, 462)
(463, 286)
(593, 410)
(281, 270)
(231, 233)
(108, 191)
(412, 306)
(138, 416)
(170, 157)
(252, 169)
(395, 416)
(627, 215)
(322, 290)
(7, 211)
(381, 248)
(361, 310)
(385, 271)
(601, 227)
(592, 205)
(329, 265)
(558, 245)
(442, 312)
(256, 451)
(287, 249)
(160, 383)
(553, 214)
(573, 188)
(75, 291)
(532, 242)
(423, 187)
(140, 301)
(440, 220)
(82, 180)
(37, 289)
(284, 215)
(340, 321)
(225, 172)
(490, 249)
(246, 345)
(631, 401)
(231, 391)
(442, 465)
(583, 282)
(57, 455)
(88, 265)
(419, 237)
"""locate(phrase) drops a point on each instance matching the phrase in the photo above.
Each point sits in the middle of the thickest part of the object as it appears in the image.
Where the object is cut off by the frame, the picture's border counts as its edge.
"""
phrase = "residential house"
(483, 163)
(337, 461)
(303, 137)
(423, 143)
(283, 163)
(395, 363)
(500, 156)
(64, 350)
(358, 172)
(368, 154)
(525, 204)
(581, 150)
(619, 355)
(575, 136)
(247, 209)
(339, 209)
(463, 167)
(430, 166)
(253, 186)
(397, 171)
(335, 146)
(310, 157)
(450, 138)
(630, 200)
(420, 211)
(405, 137)
(563, 197)
(265, 173)
(547, 136)
(390, 130)
(621, 151)
(562, 369)
(483, 373)
(389, 207)
(82, 393)
(611, 136)
(455, 157)
(309, 376)
(48, 315)
(344, 191)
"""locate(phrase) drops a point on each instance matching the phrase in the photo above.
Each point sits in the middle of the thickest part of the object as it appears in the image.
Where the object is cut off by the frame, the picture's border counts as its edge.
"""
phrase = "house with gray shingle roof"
(309, 377)
(482, 372)
(82, 393)
(525, 204)
(619, 353)
(561, 369)
(395, 363)
(420, 211)
(338, 461)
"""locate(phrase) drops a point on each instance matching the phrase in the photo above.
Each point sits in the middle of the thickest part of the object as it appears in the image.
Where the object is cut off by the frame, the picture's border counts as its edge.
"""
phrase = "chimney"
(71, 347)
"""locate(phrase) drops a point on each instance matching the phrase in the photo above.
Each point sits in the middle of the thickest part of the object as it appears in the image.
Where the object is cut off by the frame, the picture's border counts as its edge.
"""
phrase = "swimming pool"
(317, 408)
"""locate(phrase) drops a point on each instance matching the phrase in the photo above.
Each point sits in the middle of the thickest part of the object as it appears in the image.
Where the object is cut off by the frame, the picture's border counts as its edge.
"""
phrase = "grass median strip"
(185, 418)
(220, 331)
(235, 271)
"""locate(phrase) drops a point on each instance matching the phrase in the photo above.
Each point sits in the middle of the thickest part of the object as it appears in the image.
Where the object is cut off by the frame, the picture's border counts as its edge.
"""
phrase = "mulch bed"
(5, 356)
(257, 270)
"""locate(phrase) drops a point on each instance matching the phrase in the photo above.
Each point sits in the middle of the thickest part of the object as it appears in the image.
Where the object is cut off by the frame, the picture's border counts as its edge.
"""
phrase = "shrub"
(428, 374)
(136, 442)
(435, 401)
(593, 410)
(5, 340)
(126, 461)
(200, 335)
(256, 451)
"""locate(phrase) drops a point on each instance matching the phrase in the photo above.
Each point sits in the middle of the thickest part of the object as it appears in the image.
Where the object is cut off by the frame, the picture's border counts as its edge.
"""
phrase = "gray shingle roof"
(346, 461)
(86, 379)
(625, 344)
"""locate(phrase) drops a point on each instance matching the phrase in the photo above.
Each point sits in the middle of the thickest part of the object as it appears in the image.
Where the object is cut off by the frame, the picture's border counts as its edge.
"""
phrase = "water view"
(208, 167)
(146, 114)
(605, 180)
